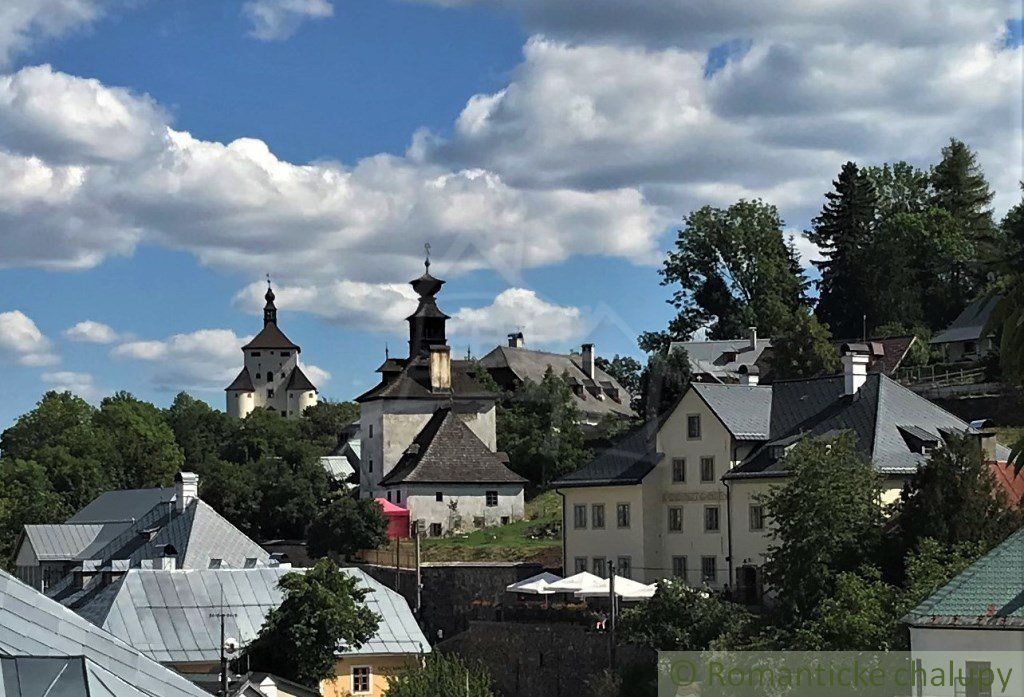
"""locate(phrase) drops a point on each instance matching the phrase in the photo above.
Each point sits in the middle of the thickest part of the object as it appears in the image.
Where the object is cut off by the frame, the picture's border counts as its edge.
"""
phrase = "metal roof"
(56, 542)
(744, 409)
(721, 358)
(988, 594)
(970, 323)
(123, 506)
(167, 614)
(32, 625)
(625, 462)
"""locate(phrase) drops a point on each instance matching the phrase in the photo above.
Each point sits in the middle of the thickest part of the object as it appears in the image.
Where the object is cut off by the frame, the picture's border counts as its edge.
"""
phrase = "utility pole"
(419, 578)
(223, 654)
(398, 564)
(611, 617)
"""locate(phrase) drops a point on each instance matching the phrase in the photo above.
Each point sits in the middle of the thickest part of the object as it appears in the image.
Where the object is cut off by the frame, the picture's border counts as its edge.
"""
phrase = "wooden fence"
(401, 553)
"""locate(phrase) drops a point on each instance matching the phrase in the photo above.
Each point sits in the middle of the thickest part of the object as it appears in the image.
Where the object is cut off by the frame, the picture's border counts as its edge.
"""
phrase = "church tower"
(271, 377)
(427, 323)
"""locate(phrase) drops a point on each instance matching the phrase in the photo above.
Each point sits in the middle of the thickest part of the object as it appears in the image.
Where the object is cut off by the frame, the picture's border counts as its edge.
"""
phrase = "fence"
(401, 553)
(940, 376)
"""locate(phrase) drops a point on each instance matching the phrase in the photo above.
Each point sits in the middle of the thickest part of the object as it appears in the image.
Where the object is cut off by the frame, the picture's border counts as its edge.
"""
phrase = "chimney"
(167, 559)
(440, 368)
(753, 338)
(588, 360)
(986, 438)
(855, 366)
(186, 489)
(516, 340)
(749, 375)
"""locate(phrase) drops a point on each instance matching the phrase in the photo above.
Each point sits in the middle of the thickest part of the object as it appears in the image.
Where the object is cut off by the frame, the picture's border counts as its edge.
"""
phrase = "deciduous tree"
(344, 525)
(803, 348)
(681, 618)
(441, 674)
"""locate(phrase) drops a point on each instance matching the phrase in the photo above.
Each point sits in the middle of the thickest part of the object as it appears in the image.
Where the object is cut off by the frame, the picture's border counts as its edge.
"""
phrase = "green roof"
(988, 594)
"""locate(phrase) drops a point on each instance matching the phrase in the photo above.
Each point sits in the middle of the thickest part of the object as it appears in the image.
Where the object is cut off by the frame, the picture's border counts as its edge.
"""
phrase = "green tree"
(664, 381)
(680, 618)
(324, 422)
(294, 484)
(842, 231)
(954, 499)
(538, 426)
(26, 497)
(199, 430)
(344, 525)
(1008, 316)
(803, 348)
(58, 434)
(441, 674)
(826, 519)
(899, 188)
(323, 612)
(235, 491)
(733, 270)
(139, 445)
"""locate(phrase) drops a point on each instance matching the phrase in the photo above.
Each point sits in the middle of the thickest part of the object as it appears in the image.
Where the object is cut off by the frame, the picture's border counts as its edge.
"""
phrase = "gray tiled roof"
(125, 505)
(33, 625)
(989, 594)
(299, 381)
(413, 382)
(527, 364)
(242, 383)
(970, 323)
(625, 462)
(745, 410)
(447, 451)
(167, 614)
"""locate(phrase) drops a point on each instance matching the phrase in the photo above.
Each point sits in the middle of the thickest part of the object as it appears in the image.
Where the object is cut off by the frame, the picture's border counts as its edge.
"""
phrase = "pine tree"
(842, 232)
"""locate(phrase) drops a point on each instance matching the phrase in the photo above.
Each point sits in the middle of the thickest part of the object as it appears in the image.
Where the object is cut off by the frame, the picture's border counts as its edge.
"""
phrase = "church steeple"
(269, 310)
(427, 323)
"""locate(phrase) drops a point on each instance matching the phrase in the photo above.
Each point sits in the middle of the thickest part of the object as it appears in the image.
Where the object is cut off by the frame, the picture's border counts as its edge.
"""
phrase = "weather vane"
(268, 280)
(426, 248)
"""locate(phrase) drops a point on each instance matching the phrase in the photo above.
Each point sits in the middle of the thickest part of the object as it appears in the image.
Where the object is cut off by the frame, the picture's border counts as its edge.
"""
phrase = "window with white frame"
(624, 567)
(679, 469)
(580, 564)
(579, 516)
(599, 567)
(360, 679)
(597, 516)
(711, 519)
(693, 426)
(675, 519)
(756, 517)
(622, 515)
(707, 469)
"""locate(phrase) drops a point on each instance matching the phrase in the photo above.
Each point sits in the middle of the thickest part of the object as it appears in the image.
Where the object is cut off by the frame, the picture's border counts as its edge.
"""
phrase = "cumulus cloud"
(24, 21)
(276, 20)
(238, 206)
(81, 384)
(91, 332)
(518, 309)
(373, 306)
(205, 359)
(23, 342)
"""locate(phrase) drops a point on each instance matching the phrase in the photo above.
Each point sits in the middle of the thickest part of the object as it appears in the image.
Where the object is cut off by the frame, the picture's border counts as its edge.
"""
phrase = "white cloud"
(22, 341)
(276, 20)
(25, 21)
(81, 384)
(206, 359)
(91, 332)
(318, 376)
(518, 309)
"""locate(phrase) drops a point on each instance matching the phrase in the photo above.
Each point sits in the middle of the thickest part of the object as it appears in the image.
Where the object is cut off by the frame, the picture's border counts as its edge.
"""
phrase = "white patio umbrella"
(625, 588)
(535, 585)
(575, 583)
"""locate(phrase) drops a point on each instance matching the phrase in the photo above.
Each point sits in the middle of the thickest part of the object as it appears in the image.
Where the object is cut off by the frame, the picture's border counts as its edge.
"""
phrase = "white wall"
(935, 647)
(421, 500)
(611, 542)
(260, 362)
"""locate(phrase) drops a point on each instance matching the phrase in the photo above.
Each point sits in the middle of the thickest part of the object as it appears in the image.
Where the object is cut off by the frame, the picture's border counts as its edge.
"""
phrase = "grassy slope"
(535, 538)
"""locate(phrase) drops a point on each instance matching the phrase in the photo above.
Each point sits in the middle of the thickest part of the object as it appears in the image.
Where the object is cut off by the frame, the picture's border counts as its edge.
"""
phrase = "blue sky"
(546, 155)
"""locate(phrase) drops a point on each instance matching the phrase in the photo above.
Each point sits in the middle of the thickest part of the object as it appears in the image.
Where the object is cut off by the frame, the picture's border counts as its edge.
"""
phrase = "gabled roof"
(243, 383)
(413, 382)
(447, 451)
(527, 364)
(878, 415)
(721, 358)
(299, 381)
(200, 534)
(168, 615)
(125, 505)
(63, 542)
(626, 462)
(32, 625)
(744, 409)
(989, 594)
(270, 337)
(970, 323)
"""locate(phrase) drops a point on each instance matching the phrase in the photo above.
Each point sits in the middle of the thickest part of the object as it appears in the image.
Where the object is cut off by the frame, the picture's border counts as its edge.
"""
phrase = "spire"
(269, 310)
(427, 324)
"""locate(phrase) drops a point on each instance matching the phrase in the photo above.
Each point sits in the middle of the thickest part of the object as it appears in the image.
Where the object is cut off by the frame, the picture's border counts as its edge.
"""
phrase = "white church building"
(271, 377)
(428, 433)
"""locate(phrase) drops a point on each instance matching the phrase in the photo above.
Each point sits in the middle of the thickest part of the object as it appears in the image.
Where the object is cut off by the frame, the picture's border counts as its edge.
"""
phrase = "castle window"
(286, 353)
(270, 393)
(255, 354)
(270, 376)
(257, 376)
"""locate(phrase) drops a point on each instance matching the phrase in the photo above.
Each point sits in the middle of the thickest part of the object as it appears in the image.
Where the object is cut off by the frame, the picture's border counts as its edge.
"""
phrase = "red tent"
(398, 519)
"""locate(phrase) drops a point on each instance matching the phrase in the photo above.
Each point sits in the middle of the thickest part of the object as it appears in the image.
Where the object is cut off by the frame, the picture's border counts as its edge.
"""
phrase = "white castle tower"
(271, 378)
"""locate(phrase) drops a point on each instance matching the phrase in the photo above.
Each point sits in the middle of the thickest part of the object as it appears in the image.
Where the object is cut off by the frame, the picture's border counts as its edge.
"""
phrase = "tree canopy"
(322, 612)
(441, 674)
(681, 618)
(344, 525)
(803, 348)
